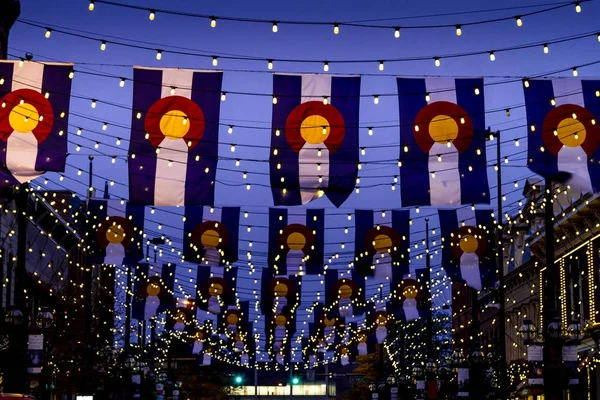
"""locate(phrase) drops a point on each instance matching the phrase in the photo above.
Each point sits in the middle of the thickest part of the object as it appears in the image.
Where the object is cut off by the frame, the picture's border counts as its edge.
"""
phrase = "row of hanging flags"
(173, 153)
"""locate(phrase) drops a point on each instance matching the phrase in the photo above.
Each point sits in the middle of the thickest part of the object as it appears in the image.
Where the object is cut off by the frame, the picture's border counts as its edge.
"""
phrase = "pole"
(327, 380)
(552, 388)
(88, 277)
(255, 381)
(500, 266)
(431, 378)
(475, 384)
(291, 384)
(128, 310)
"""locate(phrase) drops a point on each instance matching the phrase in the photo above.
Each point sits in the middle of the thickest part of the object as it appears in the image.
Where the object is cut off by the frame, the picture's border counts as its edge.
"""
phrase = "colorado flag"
(468, 246)
(563, 129)
(296, 241)
(34, 119)
(153, 292)
(314, 139)
(174, 136)
(442, 142)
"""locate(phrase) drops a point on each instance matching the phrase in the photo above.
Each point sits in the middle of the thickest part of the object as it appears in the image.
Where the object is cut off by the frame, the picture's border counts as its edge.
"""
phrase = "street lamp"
(574, 331)
(477, 356)
(528, 330)
(554, 328)
(44, 319)
(14, 317)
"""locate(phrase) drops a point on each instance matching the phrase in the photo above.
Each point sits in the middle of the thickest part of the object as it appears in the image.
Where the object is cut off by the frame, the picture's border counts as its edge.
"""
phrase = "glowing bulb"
(476, 93)
(233, 148)
(274, 99)
(230, 130)
(427, 97)
(363, 151)
(172, 90)
(437, 61)
(48, 33)
(118, 141)
(213, 22)
(275, 28)
(396, 33)
(458, 30)
(215, 61)
(597, 91)
(439, 158)
(2, 82)
(336, 29)
(492, 56)
(519, 21)
(526, 83)
(158, 54)
(325, 66)
(577, 7)
(324, 131)
(370, 131)
(223, 96)
(114, 159)
(91, 6)
(152, 15)
(139, 115)
(237, 162)
(381, 67)
(517, 142)
(71, 74)
(269, 64)
(103, 45)
(325, 100)
(546, 49)
(575, 73)
(122, 82)
(93, 103)
(104, 126)
(376, 99)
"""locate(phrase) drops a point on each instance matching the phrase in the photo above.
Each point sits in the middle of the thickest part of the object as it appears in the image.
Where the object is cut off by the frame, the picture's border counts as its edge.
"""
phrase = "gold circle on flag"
(329, 322)
(443, 128)
(180, 316)
(153, 289)
(232, 319)
(280, 290)
(115, 233)
(345, 291)
(468, 244)
(296, 241)
(382, 243)
(210, 239)
(24, 118)
(410, 292)
(174, 124)
(215, 289)
(381, 320)
(280, 320)
(571, 132)
(311, 129)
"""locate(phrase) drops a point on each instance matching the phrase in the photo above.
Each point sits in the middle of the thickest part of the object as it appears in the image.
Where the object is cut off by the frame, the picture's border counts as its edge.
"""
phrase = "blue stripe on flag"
(364, 223)
(200, 185)
(193, 218)
(592, 103)
(278, 219)
(202, 275)
(488, 265)
(139, 300)
(314, 264)
(537, 103)
(474, 187)
(168, 278)
(401, 223)
(146, 91)
(448, 224)
(230, 217)
(414, 173)
(288, 89)
(6, 178)
(343, 169)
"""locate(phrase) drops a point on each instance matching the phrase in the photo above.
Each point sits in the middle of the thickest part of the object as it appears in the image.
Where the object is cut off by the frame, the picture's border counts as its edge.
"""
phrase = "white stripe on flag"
(308, 170)
(315, 87)
(299, 217)
(567, 91)
(151, 306)
(180, 79)
(469, 270)
(22, 148)
(410, 309)
(441, 89)
(115, 253)
(169, 184)
(215, 215)
(444, 188)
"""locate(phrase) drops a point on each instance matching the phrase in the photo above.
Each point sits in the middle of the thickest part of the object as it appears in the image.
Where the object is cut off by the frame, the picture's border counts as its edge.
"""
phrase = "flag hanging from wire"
(173, 151)
(410, 295)
(215, 288)
(442, 142)
(153, 292)
(314, 139)
(563, 130)
(34, 119)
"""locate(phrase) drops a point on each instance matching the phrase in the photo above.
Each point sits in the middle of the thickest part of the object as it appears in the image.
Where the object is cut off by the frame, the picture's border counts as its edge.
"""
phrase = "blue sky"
(299, 42)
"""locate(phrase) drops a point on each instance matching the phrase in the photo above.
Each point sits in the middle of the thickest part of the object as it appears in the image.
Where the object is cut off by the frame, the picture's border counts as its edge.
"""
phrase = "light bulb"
(396, 33)
(552, 102)
(519, 21)
(48, 33)
(324, 130)
(103, 45)
(93, 103)
(439, 158)
(508, 112)
(427, 97)
(325, 66)
(517, 142)
(104, 126)
(71, 74)
(336, 29)
(363, 151)
(597, 92)
(237, 162)
(223, 96)
(122, 82)
(546, 49)
(575, 73)
(458, 30)
(325, 100)
(381, 67)
(492, 56)
(437, 61)
(172, 90)
(215, 61)
(114, 159)
(230, 130)
(118, 141)
(577, 7)
(91, 6)
(213, 22)
(233, 148)
(79, 130)
(370, 131)
(476, 93)
(275, 29)
(269, 64)
(376, 99)
(274, 99)
(151, 15)
(158, 54)
(526, 82)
